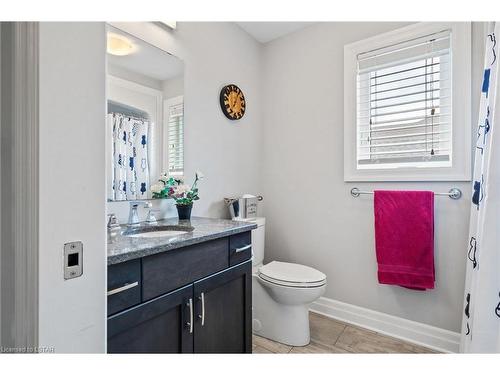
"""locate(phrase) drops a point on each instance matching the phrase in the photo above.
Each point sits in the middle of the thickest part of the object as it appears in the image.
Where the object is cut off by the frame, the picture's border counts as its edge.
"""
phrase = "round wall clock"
(232, 102)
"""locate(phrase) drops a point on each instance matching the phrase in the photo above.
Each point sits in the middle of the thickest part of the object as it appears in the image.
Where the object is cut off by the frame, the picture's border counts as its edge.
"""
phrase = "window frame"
(167, 103)
(460, 48)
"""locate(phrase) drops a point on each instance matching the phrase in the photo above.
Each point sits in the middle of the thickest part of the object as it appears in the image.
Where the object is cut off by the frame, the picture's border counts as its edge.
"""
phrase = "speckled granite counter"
(126, 248)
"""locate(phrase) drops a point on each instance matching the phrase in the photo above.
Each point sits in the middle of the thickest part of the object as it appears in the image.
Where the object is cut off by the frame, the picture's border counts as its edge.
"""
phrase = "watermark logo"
(27, 349)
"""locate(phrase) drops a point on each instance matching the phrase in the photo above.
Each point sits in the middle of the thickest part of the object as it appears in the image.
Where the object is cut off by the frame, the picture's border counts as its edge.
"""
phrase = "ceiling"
(267, 31)
(158, 64)
(147, 60)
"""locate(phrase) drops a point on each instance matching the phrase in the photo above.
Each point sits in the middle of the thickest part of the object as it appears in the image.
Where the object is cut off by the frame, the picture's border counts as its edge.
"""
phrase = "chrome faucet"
(133, 216)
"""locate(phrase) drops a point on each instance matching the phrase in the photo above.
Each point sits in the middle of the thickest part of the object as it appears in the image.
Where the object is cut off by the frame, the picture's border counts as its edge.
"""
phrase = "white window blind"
(404, 104)
(176, 139)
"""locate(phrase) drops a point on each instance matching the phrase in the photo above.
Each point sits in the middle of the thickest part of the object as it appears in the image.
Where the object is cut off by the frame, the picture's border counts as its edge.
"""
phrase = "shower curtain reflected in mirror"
(129, 164)
(481, 321)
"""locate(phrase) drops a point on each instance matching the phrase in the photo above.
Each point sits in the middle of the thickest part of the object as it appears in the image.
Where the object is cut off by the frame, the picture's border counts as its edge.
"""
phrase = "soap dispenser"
(113, 227)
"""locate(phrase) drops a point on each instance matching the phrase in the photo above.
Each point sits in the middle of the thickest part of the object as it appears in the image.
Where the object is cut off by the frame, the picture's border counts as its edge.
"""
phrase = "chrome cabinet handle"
(202, 316)
(240, 249)
(122, 288)
(190, 323)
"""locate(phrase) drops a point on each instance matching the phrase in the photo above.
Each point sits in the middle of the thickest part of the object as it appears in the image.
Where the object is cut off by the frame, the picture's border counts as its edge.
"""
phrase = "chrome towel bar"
(454, 193)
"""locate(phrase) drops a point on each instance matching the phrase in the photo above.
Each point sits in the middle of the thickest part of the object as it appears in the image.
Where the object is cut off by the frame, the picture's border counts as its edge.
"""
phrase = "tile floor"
(331, 336)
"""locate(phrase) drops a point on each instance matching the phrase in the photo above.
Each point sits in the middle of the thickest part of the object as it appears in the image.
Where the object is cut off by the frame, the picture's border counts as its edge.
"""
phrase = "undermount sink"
(158, 231)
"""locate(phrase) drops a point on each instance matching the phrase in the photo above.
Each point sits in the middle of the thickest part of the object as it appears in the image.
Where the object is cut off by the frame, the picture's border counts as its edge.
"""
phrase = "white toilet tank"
(258, 237)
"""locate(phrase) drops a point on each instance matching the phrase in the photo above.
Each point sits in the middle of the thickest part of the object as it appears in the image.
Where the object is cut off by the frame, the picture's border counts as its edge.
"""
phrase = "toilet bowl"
(281, 295)
(281, 301)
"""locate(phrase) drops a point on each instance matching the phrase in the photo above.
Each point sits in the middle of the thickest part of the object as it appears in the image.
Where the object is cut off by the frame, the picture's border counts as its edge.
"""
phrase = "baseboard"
(418, 333)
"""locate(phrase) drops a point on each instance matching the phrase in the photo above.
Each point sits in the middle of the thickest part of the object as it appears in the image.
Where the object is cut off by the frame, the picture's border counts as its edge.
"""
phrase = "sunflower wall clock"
(232, 102)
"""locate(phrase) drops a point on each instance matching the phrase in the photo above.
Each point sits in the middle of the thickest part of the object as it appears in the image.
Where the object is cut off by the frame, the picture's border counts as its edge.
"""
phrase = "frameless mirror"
(145, 116)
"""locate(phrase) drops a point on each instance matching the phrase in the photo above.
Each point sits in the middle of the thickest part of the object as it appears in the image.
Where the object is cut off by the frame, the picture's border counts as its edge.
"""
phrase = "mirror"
(145, 116)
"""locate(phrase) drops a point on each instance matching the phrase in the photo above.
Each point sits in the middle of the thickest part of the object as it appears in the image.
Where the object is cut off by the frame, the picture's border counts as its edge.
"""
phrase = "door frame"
(19, 198)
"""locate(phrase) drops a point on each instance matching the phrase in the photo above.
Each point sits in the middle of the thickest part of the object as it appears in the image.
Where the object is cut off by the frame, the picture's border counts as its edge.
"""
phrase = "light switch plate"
(73, 260)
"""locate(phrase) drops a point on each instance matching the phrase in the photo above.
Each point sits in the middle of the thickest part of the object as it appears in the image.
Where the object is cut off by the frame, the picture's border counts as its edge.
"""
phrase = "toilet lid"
(292, 274)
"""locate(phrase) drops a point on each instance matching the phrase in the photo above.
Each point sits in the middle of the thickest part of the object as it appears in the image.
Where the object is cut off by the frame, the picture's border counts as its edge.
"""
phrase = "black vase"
(184, 211)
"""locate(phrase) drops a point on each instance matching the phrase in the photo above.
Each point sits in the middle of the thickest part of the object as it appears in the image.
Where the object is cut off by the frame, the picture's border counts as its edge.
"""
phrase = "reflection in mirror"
(145, 116)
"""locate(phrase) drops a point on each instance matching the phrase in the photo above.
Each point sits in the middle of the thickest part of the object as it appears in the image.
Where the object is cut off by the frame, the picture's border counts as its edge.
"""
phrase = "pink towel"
(404, 238)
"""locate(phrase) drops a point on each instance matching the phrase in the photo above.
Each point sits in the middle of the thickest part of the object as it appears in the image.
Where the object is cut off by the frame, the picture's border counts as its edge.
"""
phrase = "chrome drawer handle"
(202, 316)
(122, 288)
(240, 249)
(190, 324)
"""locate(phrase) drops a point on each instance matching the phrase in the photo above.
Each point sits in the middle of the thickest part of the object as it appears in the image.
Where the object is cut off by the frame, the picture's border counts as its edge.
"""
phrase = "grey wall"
(0, 183)
(311, 217)
(72, 185)
(129, 75)
(19, 156)
(7, 258)
(227, 152)
(173, 87)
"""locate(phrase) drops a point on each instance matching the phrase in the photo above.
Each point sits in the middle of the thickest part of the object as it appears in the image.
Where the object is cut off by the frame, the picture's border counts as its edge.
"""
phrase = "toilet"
(281, 294)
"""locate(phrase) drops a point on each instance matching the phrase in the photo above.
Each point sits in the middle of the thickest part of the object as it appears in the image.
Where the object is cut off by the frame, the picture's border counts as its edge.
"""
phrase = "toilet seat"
(292, 275)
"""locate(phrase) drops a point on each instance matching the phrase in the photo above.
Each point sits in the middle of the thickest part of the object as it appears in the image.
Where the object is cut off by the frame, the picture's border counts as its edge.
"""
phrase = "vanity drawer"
(240, 248)
(124, 285)
(165, 272)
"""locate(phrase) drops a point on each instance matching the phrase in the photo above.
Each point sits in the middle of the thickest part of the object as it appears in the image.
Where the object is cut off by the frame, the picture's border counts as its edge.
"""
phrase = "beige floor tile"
(359, 340)
(411, 348)
(325, 331)
(331, 336)
(315, 348)
(270, 345)
(260, 350)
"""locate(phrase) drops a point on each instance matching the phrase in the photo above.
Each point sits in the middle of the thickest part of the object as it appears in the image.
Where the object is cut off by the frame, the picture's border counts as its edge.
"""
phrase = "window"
(404, 105)
(403, 116)
(175, 136)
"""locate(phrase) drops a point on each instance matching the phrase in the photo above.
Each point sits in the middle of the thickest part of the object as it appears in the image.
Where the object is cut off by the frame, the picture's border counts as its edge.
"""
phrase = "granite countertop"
(127, 248)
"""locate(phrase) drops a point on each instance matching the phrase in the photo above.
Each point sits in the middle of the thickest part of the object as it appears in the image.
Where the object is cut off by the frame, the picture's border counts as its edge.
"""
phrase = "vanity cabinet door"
(162, 325)
(224, 311)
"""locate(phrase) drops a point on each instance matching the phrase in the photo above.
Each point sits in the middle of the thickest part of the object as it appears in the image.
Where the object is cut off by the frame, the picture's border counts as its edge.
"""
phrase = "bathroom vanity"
(174, 287)
(186, 293)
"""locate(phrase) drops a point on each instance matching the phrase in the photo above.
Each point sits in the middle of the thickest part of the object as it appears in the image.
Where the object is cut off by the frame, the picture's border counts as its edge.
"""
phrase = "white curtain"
(481, 322)
(130, 169)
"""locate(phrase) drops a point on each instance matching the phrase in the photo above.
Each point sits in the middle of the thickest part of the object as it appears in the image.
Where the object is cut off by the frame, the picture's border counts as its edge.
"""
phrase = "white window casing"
(174, 135)
(407, 105)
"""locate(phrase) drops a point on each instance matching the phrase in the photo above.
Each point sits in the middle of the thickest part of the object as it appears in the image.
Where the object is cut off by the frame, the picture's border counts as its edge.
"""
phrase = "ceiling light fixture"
(118, 45)
(170, 24)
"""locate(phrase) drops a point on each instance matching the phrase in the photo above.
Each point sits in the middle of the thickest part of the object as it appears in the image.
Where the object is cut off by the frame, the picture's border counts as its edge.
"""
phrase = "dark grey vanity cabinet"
(157, 326)
(124, 286)
(192, 300)
(224, 306)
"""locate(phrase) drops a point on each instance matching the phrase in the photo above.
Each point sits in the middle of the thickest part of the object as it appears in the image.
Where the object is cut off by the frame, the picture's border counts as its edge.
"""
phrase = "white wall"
(228, 152)
(173, 87)
(129, 75)
(312, 219)
(72, 185)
